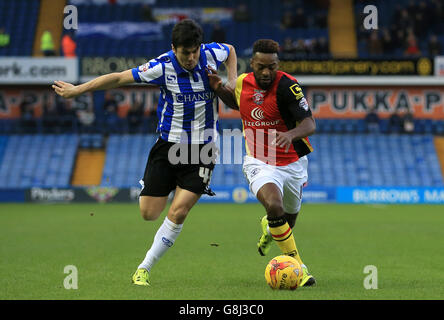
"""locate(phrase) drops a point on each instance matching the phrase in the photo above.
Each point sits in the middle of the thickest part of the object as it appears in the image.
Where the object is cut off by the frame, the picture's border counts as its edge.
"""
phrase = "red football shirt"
(263, 112)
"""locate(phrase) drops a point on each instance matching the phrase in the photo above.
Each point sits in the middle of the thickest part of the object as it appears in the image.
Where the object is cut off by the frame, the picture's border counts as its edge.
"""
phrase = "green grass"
(336, 242)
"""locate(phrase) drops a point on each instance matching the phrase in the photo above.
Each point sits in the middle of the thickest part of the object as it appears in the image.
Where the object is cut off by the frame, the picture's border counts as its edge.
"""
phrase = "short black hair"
(187, 33)
(266, 46)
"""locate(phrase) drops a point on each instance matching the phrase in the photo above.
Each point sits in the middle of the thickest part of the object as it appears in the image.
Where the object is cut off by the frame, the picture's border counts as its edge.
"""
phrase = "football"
(283, 273)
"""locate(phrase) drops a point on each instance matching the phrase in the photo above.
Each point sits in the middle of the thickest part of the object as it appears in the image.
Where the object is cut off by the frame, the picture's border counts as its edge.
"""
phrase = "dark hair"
(266, 46)
(187, 33)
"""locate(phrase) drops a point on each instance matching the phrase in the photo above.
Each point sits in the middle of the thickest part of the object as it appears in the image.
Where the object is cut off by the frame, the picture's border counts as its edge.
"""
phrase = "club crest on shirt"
(254, 172)
(144, 67)
(258, 96)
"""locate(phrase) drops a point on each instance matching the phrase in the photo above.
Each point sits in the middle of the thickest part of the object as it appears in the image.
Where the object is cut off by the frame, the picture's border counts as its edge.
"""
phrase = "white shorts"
(290, 179)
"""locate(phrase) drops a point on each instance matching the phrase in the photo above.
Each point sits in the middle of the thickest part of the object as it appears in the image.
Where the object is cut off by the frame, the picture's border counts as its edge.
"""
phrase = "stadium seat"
(374, 160)
(48, 162)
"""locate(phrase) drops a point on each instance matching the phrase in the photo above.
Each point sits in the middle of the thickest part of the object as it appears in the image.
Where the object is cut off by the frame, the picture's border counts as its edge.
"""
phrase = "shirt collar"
(179, 70)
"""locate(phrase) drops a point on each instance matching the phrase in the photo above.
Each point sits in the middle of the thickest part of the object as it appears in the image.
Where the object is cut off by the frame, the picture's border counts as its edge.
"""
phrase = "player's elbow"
(231, 48)
(310, 126)
(313, 126)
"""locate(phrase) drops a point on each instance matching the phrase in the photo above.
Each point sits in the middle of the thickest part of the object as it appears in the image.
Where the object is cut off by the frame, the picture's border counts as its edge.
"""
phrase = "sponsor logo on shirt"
(171, 79)
(261, 123)
(196, 96)
(304, 104)
(257, 113)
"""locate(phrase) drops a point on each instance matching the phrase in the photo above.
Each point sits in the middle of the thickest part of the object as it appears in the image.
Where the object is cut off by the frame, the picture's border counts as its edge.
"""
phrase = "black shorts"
(186, 169)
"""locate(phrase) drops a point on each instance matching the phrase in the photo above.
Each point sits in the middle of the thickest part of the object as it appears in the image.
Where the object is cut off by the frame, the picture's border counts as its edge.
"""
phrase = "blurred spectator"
(300, 19)
(47, 44)
(300, 49)
(397, 12)
(409, 27)
(375, 46)
(68, 46)
(241, 13)
(372, 120)
(287, 21)
(404, 22)
(387, 43)
(421, 24)
(147, 13)
(395, 123)
(408, 123)
(436, 14)
(50, 118)
(412, 8)
(135, 116)
(218, 33)
(67, 115)
(287, 47)
(110, 108)
(435, 47)
(321, 20)
(310, 46)
(412, 49)
(321, 46)
(398, 36)
(4, 38)
(423, 9)
(288, 5)
(27, 120)
(86, 119)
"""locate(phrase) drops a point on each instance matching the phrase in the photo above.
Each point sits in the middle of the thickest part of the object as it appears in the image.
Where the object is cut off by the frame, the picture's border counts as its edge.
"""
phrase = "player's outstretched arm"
(223, 92)
(231, 65)
(107, 81)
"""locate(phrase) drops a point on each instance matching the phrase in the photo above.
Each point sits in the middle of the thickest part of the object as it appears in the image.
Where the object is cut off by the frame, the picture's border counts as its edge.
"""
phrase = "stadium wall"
(335, 101)
(238, 194)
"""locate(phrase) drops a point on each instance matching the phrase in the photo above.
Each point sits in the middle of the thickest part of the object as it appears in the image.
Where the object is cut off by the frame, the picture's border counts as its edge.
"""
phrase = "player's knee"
(149, 214)
(177, 214)
(151, 208)
(274, 209)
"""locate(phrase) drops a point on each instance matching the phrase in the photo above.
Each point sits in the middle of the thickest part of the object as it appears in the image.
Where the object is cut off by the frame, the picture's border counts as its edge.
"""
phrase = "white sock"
(163, 240)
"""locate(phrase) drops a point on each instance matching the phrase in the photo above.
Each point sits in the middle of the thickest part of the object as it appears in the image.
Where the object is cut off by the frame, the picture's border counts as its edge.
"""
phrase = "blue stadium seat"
(47, 158)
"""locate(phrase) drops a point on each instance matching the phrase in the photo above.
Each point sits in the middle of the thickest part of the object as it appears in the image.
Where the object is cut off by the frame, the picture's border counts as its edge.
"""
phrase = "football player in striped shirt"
(187, 111)
(276, 122)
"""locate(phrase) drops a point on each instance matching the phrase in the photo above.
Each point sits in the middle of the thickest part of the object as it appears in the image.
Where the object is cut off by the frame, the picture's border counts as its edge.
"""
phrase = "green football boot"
(307, 279)
(264, 243)
(141, 277)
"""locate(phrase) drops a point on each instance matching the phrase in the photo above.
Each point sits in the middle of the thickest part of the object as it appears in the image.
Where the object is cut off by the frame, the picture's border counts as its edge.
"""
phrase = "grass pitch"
(215, 256)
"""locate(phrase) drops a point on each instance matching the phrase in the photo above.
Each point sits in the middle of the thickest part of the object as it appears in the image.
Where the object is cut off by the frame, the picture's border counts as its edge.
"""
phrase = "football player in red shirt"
(276, 121)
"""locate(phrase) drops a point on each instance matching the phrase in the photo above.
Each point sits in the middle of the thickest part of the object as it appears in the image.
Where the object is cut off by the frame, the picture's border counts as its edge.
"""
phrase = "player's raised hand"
(65, 90)
(215, 80)
(283, 140)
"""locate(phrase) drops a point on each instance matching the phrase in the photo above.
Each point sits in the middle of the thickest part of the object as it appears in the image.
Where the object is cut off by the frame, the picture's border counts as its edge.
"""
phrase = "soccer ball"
(283, 272)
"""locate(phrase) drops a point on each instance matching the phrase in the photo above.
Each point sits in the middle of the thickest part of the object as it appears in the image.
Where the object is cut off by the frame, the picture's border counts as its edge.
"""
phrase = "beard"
(264, 84)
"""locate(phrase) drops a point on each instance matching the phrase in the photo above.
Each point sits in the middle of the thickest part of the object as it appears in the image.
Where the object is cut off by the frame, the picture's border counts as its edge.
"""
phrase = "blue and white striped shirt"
(186, 103)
